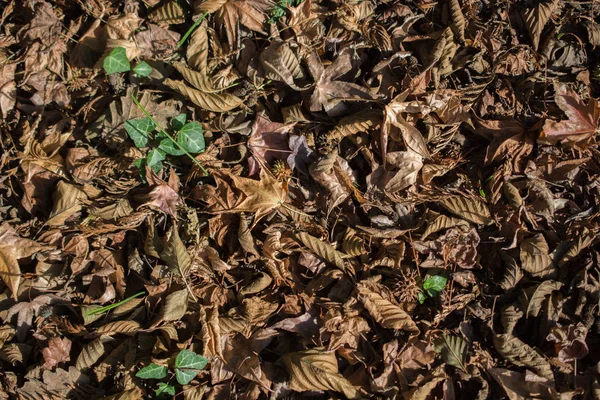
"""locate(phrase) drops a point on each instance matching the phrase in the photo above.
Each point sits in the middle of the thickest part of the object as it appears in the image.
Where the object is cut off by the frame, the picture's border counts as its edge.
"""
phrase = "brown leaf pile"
(402, 199)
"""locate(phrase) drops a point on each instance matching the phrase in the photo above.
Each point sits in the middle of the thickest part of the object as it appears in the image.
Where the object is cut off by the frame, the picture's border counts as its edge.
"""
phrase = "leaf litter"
(281, 199)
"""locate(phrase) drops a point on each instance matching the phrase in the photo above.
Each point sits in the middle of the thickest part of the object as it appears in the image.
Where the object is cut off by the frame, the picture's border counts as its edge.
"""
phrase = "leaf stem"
(160, 128)
(115, 305)
(189, 31)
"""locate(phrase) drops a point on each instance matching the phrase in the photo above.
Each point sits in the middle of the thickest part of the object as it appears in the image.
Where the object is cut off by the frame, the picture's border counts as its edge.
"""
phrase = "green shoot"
(115, 305)
(192, 28)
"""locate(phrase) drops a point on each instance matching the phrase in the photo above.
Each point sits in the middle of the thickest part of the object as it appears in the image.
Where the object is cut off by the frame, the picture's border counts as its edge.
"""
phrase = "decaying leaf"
(323, 250)
(218, 102)
(535, 256)
(468, 208)
(537, 17)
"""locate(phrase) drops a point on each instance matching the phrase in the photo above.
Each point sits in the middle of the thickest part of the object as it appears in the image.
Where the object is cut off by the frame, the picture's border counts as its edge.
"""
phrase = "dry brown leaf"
(536, 296)
(197, 49)
(384, 311)
(323, 250)
(520, 354)
(315, 369)
(218, 102)
(582, 119)
(124, 327)
(536, 18)
(168, 14)
(211, 332)
(468, 208)
(175, 306)
(91, 352)
(362, 121)
(281, 63)
(67, 202)
(261, 197)
(458, 19)
(535, 256)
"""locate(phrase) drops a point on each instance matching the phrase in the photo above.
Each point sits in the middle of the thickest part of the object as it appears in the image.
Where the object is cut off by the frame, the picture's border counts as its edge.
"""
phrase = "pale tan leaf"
(441, 222)
(193, 392)
(262, 196)
(197, 49)
(7, 332)
(423, 391)
(199, 80)
(323, 250)
(458, 19)
(118, 209)
(362, 121)
(125, 327)
(9, 269)
(583, 240)
(221, 102)
(536, 18)
(353, 244)
(535, 256)
(534, 297)
(384, 311)
(453, 350)
(91, 352)
(175, 305)
(174, 253)
(468, 208)
(208, 6)
(168, 14)
(245, 237)
(67, 201)
(315, 369)
(281, 63)
(211, 332)
(57, 352)
(15, 352)
(407, 165)
(521, 354)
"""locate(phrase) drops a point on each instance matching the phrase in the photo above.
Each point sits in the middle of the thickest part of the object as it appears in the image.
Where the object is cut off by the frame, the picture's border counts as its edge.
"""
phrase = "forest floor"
(294, 199)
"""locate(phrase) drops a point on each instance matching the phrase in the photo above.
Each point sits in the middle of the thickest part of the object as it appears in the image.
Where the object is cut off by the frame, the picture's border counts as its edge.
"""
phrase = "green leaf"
(138, 130)
(191, 137)
(434, 284)
(116, 61)
(169, 147)
(187, 366)
(165, 391)
(178, 122)
(152, 371)
(154, 159)
(421, 297)
(143, 69)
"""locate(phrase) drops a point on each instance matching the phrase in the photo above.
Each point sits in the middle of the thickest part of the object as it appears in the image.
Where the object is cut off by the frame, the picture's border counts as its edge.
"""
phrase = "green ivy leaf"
(165, 391)
(178, 122)
(187, 366)
(169, 147)
(143, 69)
(116, 61)
(434, 284)
(154, 158)
(152, 371)
(138, 130)
(421, 297)
(191, 138)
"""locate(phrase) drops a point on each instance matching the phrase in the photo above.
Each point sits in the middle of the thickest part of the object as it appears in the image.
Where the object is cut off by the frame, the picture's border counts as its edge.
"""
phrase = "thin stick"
(115, 305)
(141, 107)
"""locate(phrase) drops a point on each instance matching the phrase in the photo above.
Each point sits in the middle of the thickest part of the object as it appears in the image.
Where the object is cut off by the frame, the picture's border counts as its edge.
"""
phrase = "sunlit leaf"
(116, 61)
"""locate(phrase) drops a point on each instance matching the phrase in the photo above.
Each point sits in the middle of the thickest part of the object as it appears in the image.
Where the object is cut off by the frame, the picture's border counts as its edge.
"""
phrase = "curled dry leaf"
(316, 369)
(535, 256)
(384, 311)
(468, 208)
(57, 352)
